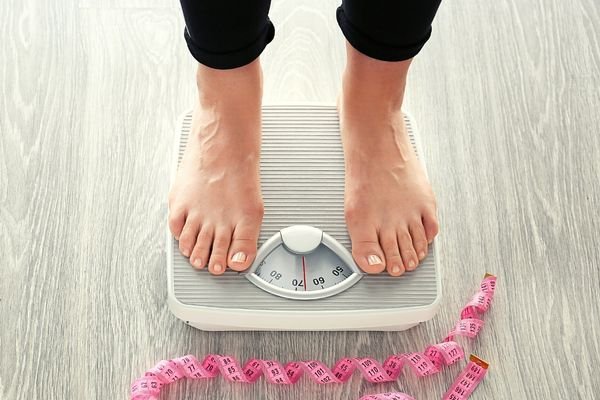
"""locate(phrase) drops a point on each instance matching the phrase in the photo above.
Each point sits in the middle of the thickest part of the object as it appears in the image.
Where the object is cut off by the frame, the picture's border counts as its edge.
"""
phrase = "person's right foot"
(215, 203)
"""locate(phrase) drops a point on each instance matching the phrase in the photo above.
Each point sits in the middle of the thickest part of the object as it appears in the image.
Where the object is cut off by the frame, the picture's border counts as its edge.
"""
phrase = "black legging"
(231, 33)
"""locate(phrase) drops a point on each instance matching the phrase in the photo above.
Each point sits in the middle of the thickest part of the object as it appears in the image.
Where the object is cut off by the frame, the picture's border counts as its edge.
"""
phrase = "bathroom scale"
(304, 277)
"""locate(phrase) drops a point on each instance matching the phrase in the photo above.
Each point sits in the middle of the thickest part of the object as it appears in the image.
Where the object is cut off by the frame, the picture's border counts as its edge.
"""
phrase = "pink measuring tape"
(429, 362)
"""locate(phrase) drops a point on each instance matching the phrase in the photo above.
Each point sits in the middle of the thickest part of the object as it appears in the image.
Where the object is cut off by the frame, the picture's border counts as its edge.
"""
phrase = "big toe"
(366, 250)
(243, 246)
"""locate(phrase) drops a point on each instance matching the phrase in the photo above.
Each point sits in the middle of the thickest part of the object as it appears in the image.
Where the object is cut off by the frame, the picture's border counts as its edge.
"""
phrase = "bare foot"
(389, 204)
(215, 204)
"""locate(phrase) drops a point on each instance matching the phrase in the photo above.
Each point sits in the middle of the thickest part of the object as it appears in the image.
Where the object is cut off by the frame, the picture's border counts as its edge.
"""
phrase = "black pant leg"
(227, 34)
(388, 30)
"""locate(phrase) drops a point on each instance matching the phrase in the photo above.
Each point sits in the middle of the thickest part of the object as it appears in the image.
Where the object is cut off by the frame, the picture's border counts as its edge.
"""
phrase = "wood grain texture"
(506, 98)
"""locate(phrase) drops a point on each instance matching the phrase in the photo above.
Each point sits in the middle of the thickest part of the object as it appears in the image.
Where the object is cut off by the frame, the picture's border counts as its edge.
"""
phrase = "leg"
(215, 204)
(390, 206)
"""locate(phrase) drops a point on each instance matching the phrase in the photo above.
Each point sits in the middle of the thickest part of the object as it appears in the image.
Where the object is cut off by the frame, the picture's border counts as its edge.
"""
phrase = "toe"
(243, 246)
(176, 222)
(199, 256)
(189, 233)
(389, 243)
(367, 252)
(218, 254)
(430, 223)
(419, 239)
(409, 257)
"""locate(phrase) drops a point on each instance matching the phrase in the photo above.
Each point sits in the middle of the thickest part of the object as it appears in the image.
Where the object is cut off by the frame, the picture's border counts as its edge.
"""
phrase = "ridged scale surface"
(302, 177)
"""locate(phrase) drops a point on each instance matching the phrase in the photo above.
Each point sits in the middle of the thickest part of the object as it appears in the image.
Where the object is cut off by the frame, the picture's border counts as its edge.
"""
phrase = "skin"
(215, 204)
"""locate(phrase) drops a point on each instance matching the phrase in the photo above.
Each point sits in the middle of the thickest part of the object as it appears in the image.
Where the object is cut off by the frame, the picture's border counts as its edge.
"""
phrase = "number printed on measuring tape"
(429, 362)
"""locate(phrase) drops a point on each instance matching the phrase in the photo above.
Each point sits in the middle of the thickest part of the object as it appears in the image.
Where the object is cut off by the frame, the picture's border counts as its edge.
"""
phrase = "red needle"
(304, 272)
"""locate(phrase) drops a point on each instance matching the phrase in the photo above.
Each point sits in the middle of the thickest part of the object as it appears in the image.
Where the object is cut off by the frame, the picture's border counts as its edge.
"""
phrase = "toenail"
(197, 262)
(217, 268)
(395, 269)
(185, 252)
(374, 259)
(412, 264)
(421, 255)
(240, 256)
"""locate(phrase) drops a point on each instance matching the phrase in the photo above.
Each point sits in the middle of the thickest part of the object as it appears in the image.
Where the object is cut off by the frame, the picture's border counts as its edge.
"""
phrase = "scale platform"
(302, 178)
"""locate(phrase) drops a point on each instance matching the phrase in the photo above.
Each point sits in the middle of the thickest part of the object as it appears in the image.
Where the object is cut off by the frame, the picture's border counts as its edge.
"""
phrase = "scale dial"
(302, 262)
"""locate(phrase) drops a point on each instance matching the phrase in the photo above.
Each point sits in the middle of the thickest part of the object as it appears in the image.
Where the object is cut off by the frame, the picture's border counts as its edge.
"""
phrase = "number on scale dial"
(302, 262)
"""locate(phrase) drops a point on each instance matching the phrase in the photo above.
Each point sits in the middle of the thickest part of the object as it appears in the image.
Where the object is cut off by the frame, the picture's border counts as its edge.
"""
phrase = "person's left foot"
(389, 204)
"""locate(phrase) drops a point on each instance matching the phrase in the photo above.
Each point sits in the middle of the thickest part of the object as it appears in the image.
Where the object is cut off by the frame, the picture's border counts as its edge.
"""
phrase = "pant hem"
(233, 59)
(380, 51)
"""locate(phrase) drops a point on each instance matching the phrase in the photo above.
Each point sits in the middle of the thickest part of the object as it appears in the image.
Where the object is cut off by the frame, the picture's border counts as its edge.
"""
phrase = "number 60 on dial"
(302, 262)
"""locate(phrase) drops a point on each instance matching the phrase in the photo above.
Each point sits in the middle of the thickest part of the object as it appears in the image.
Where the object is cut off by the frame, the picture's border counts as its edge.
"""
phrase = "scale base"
(302, 179)
(208, 327)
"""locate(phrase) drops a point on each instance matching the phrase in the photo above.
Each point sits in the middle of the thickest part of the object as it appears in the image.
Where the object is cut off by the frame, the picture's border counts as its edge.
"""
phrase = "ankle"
(372, 83)
(371, 93)
(225, 87)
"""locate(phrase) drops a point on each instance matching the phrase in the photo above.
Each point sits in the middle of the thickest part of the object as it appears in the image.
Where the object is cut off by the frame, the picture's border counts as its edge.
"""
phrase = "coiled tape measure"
(429, 362)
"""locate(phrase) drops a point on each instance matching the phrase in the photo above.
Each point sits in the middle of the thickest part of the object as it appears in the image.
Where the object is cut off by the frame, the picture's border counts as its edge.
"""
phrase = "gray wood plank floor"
(507, 98)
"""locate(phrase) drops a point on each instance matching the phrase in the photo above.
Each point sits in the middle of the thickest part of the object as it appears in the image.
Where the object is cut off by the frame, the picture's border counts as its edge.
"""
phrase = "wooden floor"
(507, 98)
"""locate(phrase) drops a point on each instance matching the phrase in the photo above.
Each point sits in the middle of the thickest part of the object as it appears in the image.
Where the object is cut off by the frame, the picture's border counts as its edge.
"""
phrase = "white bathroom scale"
(304, 277)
